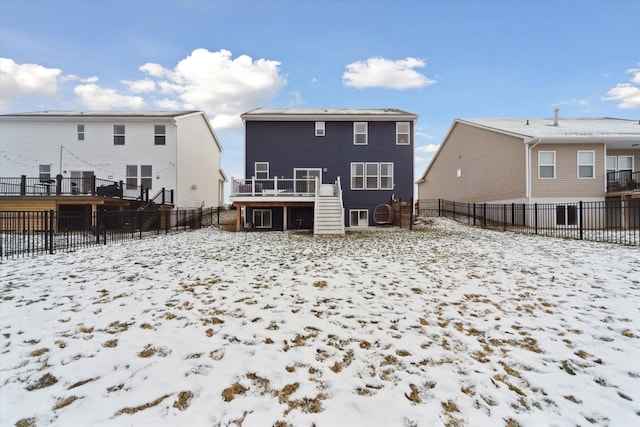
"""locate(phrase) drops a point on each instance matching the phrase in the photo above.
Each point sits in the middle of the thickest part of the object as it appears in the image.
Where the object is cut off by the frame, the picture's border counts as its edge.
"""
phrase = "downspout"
(528, 150)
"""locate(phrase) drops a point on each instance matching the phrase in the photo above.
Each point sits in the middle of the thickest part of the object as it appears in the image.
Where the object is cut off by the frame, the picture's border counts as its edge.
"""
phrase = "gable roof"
(333, 114)
(97, 113)
(577, 130)
(566, 128)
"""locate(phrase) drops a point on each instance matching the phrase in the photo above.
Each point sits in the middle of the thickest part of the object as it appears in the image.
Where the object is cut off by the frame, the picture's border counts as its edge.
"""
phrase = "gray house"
(324, 169)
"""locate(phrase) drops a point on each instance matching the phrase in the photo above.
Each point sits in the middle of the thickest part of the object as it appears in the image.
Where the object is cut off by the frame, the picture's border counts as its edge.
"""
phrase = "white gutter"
(527, 156)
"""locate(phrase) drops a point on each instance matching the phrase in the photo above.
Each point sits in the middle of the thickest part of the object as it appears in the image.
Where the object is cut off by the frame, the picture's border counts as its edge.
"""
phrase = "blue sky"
(439, 59)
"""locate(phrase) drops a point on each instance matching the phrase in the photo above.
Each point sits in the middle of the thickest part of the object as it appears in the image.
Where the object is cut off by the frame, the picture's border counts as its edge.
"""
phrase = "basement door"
(305, 179)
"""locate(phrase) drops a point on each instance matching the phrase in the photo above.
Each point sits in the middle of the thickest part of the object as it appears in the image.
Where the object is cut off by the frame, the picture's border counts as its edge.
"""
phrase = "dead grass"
(61, 403)
(414, 396)
(229, 393)
(38, 352)
(133, 410)
(183, 401)
(46, 380)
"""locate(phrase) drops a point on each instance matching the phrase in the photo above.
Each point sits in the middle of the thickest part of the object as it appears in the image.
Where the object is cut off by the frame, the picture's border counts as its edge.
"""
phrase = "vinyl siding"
(566, 183)
(492, 167)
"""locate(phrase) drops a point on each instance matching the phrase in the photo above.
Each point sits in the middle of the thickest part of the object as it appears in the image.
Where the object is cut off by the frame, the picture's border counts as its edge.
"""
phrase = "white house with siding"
(174, 150)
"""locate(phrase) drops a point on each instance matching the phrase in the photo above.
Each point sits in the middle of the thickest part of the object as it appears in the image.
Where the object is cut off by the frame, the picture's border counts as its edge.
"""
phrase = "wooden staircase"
(329, 211)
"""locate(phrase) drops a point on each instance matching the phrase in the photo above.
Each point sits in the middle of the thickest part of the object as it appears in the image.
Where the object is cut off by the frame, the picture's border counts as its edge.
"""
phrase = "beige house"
(536, 161)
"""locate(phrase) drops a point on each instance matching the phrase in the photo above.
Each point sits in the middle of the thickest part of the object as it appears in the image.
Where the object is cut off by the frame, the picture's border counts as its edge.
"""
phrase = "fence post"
(580, 219)
(23, 185)
(163, 195)
(58, 185)
(504, 217)
(93, 185)
(513, 213)
(474, 214)
(524, 214)
(535, 216)
(50, 231)
(484, 215)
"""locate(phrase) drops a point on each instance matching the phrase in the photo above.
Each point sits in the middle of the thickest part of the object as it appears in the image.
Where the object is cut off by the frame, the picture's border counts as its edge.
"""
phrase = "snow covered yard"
(444, 325)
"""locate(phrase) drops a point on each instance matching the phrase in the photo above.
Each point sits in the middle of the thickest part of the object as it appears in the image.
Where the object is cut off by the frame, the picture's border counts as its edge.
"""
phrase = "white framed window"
(358, 218)
(159, 134)
(566, 215)
(319, 128)
(118, 134)
(360, 133)
(586, 164)
(261, 170)
(546, 164)
(44, 172)
(146, 176)
(262, 218)
(372, 176)
(80, 131)
(625, 163)
(132, 177)
(357, 176)
(403, 133)
(386, 176)
(612, 164)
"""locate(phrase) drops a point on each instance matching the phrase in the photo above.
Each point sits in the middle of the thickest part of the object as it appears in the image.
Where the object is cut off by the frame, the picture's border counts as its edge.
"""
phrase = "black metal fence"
(25, 233)
(614, 221)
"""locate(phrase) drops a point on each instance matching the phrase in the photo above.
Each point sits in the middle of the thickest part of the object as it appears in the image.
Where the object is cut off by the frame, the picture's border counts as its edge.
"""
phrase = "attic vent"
(555, 116)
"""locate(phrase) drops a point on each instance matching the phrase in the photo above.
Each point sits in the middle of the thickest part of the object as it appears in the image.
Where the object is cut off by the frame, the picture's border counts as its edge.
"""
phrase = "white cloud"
(141, 86)
(386, 73)
(17, 80)
(431, 148)
(97, 98)
(628, 94)
(296, 99)
(168, 104)
(155, 70)
(220, 85)
(636, 74)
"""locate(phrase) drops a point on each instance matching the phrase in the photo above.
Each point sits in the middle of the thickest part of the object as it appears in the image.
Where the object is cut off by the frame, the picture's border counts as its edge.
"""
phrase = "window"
(80, 129)
(146, 176)
(459, 173)
(546, 164)
(360, 133)
(262, 218)
(319, 128)
(402, 133)
(586, 164)
(159, 134)
(566, 215)
(625, 163)
(358, 218)
(132, 177)
(612, 164)
(372, 176)
(357, 176)
(118, 134)
(386, 176)
(44, 172)
(372, 172)
(262, 170)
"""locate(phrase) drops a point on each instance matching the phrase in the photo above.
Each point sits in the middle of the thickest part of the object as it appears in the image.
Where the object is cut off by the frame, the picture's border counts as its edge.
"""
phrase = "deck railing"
(91, 186)
(623, 181)
(273, 187)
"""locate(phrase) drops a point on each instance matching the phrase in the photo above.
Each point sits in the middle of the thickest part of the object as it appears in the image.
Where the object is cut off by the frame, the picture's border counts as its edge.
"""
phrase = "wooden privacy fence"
(614, 221)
